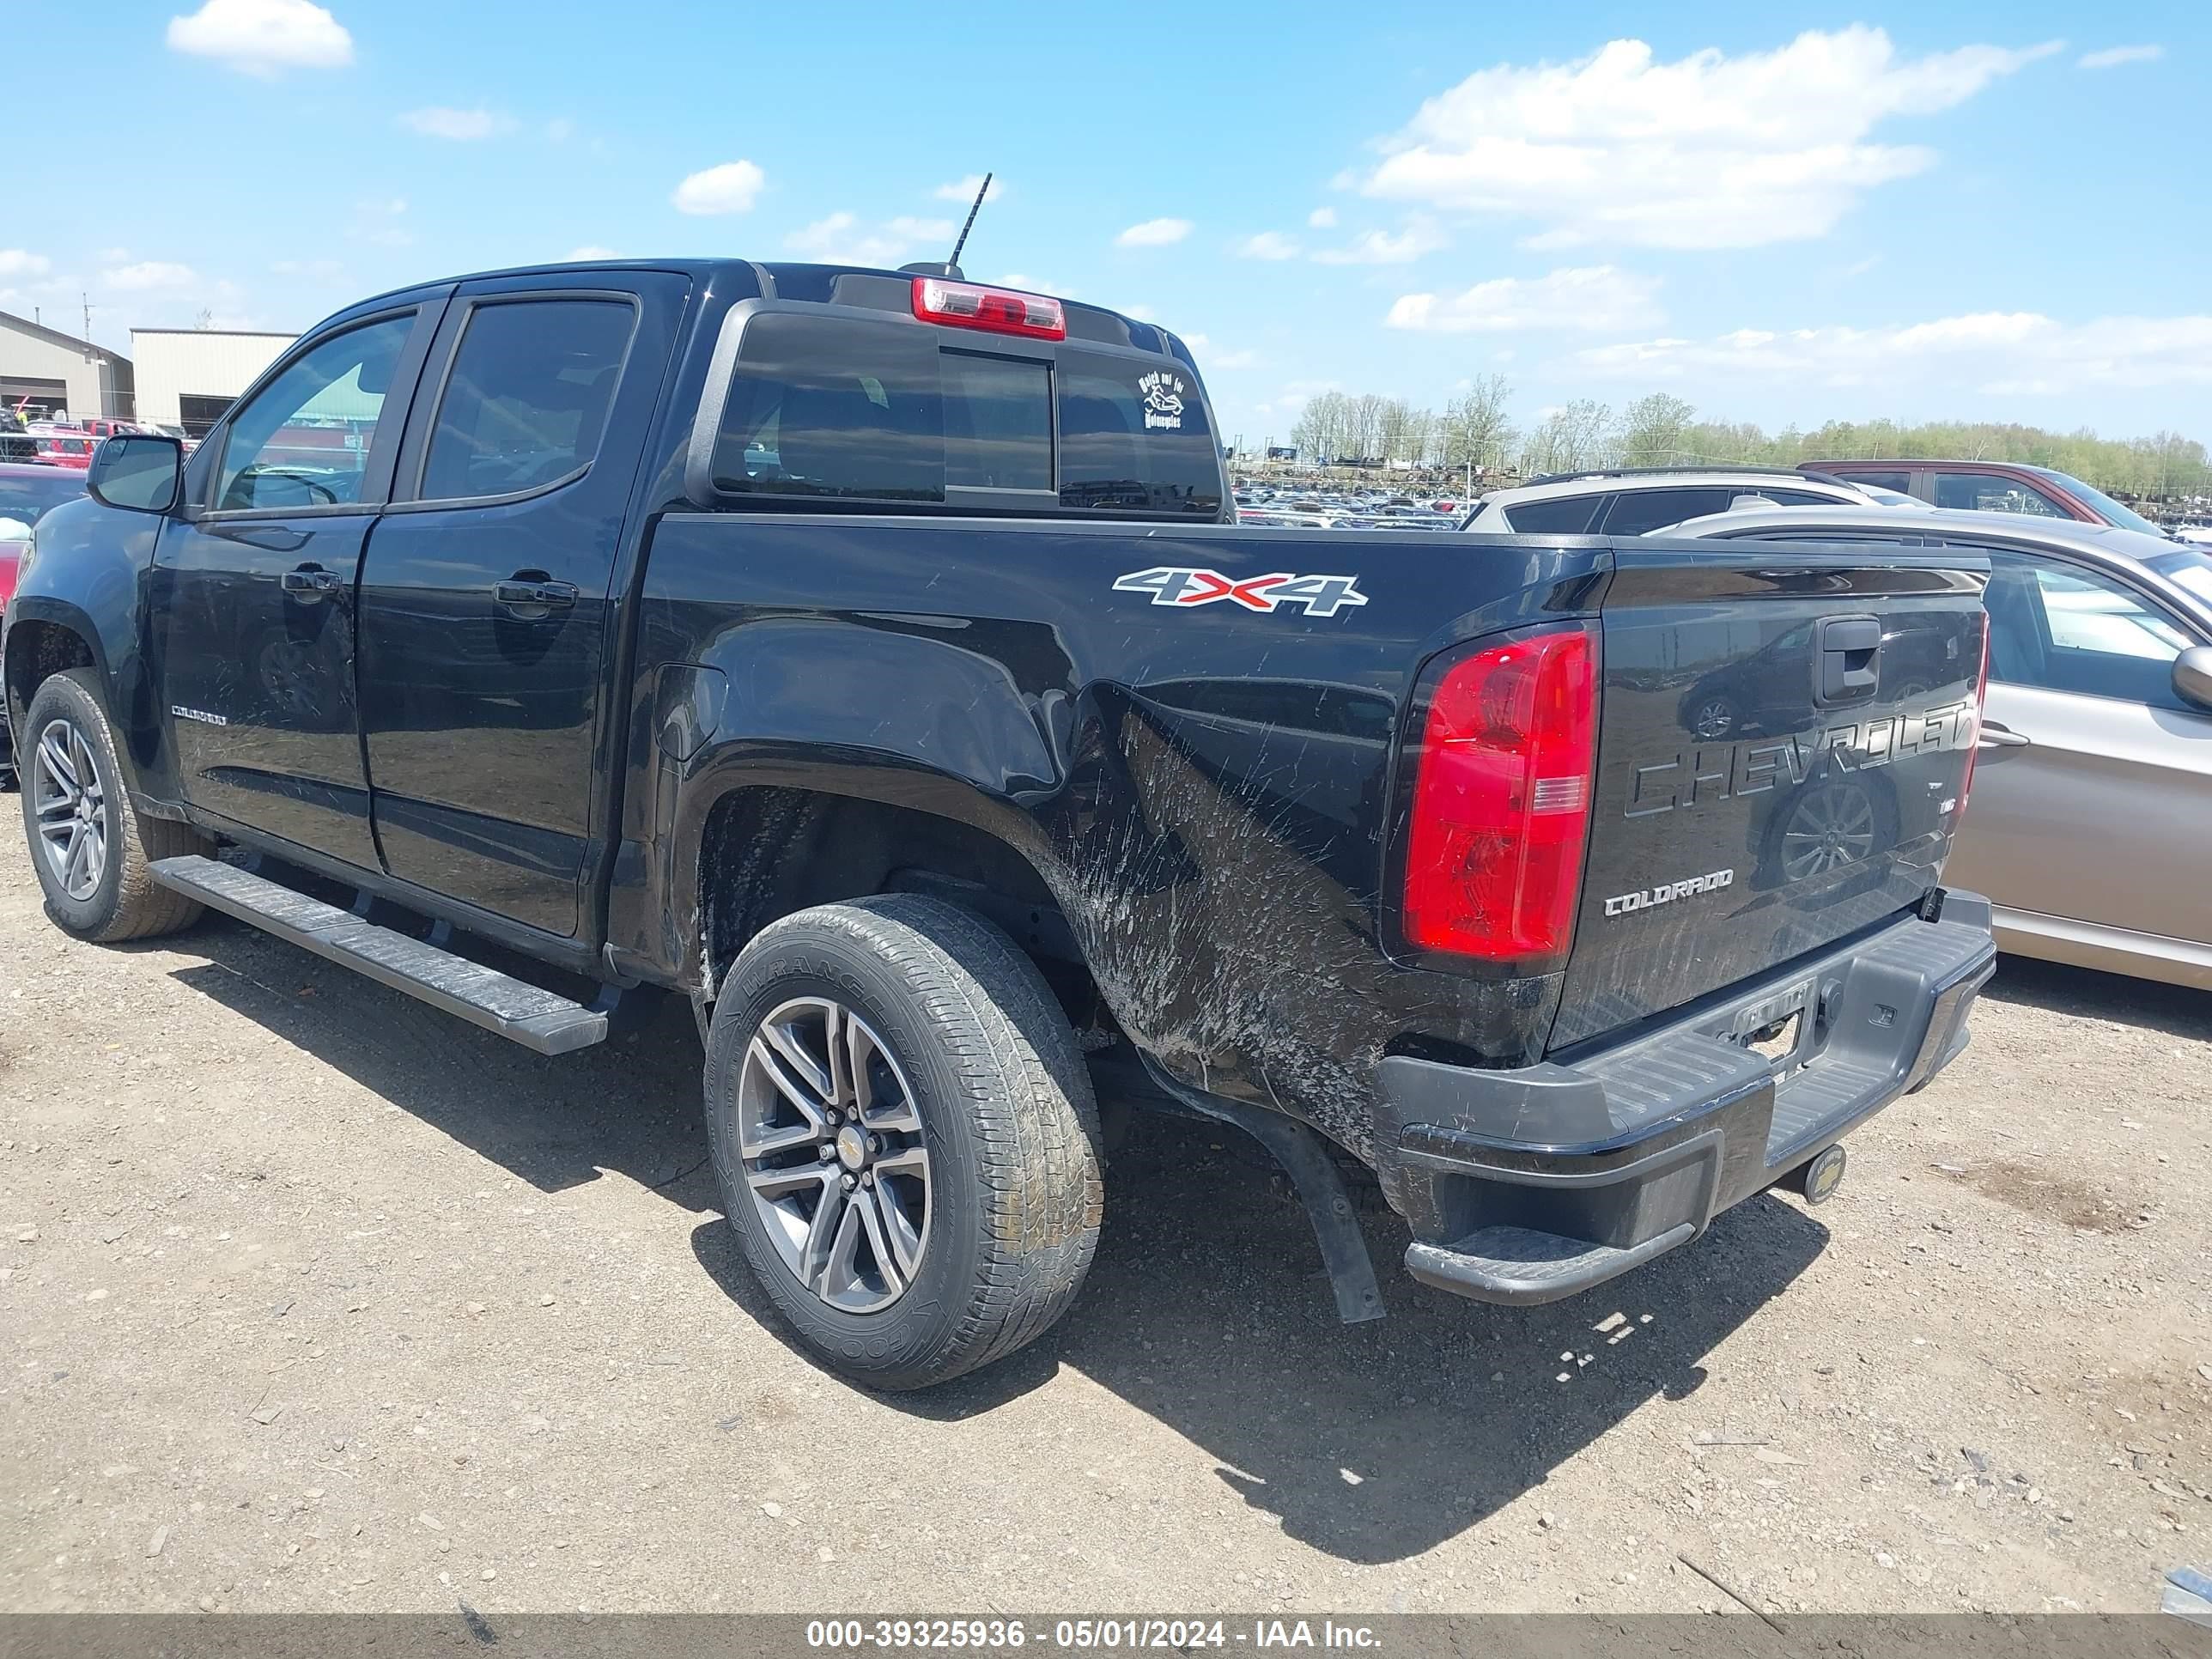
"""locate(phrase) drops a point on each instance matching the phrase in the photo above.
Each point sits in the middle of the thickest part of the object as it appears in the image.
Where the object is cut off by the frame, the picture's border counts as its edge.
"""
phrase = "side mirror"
(141, 472)
(2193, 676)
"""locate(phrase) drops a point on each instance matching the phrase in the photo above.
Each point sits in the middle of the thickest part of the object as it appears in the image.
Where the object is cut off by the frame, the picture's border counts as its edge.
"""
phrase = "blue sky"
(1782, 215)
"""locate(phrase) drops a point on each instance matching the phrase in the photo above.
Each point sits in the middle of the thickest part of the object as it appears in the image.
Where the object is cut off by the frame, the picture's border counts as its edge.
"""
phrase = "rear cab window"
(830, 403)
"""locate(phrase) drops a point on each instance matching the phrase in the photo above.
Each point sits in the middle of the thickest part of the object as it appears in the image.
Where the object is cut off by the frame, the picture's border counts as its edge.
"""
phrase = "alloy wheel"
(831, 1144)
(69, 808)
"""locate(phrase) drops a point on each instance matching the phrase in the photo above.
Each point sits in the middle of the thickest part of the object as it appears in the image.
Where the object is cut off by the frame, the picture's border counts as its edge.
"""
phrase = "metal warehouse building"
(46, 371)
(188, 376)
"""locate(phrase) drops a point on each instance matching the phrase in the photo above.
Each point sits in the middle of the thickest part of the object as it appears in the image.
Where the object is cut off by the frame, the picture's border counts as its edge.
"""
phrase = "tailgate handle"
(1843, 668)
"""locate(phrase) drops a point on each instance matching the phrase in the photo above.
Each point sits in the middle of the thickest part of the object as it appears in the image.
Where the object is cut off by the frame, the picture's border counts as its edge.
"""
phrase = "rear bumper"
(1526, 1186)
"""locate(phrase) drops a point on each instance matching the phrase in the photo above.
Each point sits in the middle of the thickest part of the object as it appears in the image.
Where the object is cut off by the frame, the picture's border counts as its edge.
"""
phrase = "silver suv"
(1632, 501)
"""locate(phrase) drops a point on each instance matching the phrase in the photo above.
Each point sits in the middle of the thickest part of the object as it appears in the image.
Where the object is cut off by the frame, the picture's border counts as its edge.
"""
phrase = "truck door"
(485, 600)
(254, 586)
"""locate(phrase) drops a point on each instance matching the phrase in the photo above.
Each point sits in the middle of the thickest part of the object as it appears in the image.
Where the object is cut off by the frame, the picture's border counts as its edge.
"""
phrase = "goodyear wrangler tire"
(91, 849)
(905, 1138)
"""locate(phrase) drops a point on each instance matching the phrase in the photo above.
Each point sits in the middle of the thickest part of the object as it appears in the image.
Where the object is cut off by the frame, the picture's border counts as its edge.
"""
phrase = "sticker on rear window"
(1164, 391)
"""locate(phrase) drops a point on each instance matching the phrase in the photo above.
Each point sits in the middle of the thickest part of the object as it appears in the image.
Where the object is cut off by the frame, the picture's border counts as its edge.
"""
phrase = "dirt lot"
(314, 1300)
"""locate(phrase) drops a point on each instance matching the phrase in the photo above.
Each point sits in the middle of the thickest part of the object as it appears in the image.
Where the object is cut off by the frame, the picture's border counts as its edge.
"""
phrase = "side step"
(538, 1019)
(1521, 1267)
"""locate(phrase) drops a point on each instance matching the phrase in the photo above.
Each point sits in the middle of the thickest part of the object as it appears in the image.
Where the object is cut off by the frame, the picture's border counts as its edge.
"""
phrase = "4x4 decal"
(1321, 596)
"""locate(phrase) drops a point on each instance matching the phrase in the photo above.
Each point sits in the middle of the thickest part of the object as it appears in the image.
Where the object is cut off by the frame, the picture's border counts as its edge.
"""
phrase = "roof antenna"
(951, 268)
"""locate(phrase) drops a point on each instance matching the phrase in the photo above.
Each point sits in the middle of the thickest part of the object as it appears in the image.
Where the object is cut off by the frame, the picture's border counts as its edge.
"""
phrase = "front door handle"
(535, 589)
(1995, 735)
(310, 582)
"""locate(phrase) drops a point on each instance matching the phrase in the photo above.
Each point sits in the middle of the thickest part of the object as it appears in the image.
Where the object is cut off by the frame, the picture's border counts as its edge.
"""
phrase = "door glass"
(2063, 628)
(528, 396)
(1983, 492)
(304, 440)
(1901, 481)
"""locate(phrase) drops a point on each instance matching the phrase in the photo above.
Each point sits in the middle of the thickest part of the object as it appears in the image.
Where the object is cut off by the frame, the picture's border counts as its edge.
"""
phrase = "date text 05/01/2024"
(1086, 1634)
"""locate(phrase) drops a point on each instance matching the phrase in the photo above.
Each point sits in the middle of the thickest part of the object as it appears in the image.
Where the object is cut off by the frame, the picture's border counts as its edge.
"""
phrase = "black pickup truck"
(873, 658)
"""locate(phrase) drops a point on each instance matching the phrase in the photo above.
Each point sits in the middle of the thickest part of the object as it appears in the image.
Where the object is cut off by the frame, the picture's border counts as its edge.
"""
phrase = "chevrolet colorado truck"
(873, 658)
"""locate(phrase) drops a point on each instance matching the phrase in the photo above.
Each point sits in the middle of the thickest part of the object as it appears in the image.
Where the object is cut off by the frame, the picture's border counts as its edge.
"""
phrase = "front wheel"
(905, 1137)
(91, 849)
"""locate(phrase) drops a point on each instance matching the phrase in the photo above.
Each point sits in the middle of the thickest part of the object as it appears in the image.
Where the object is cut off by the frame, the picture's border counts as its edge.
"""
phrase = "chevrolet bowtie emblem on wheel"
(1322, 596)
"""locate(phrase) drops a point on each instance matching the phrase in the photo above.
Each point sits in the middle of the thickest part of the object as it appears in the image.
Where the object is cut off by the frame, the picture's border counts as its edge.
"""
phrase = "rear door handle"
(527, 588)
(1996, 736)
(311, 581)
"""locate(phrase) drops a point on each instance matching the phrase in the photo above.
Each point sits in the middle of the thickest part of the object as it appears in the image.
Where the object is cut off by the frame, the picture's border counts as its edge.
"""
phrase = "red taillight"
(1981, 700)
(1502, 801)
(996, 309)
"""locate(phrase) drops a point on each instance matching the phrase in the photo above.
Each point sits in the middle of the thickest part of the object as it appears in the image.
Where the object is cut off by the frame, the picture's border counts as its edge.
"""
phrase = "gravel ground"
(314, 1300)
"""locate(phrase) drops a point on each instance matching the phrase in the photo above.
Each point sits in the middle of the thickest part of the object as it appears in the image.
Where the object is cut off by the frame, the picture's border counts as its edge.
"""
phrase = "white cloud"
(842, 240)
(1707, 151)
(1029, 284)
(590, 251)
(1267, 245)
(21, 262)
(1322, 218)
(729, 188)
(963, 191)
(1142, 313)
(1380, 247)
(1999, 353)
(263, 37)
(2113, 56)
(1589, 297)
(460, 125)
(1154, 232)
(559, 130)
(149, 276)
(378, 221)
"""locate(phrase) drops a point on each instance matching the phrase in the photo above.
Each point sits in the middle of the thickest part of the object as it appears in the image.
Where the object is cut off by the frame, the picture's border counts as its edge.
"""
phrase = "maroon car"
(1989, 487)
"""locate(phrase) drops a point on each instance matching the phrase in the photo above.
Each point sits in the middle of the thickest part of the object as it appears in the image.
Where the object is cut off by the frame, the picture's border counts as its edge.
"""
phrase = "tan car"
(2091, 821)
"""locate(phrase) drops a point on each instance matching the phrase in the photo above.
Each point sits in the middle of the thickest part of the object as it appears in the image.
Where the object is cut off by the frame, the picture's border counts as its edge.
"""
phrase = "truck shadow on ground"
(1206, 1310)
(2178, 1010)
(629, 1106)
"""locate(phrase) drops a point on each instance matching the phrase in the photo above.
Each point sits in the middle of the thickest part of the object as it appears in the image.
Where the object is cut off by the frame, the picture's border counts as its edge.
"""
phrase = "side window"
(1635, 512)
(527, 398)
(1901, 481)
(304, 440)
(1563, 515)
(1985, 492)
(2063, 628)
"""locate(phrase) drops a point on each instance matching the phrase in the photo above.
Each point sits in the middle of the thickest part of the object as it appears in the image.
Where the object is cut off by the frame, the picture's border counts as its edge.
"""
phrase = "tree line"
(1476, 429)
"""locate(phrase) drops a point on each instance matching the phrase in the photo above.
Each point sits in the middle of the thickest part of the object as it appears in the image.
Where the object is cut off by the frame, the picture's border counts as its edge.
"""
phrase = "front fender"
(92, 576)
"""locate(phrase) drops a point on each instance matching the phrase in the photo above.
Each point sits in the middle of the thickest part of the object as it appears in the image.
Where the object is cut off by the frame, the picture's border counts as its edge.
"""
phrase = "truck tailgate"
(1784, 739)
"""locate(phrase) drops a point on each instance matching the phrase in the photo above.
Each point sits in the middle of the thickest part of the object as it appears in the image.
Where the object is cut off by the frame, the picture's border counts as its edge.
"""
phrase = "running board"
(538, 1019)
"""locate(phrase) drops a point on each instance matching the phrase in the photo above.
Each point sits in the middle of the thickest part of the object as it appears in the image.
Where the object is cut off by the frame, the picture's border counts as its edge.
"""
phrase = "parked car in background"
(1631, 500)
(64, 446)
(1990, 487)
(28, 491)
(2089, 826)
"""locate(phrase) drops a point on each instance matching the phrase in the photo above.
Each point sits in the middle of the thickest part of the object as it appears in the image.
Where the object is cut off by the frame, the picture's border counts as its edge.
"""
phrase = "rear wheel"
(91, 849)
(905, 1137)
